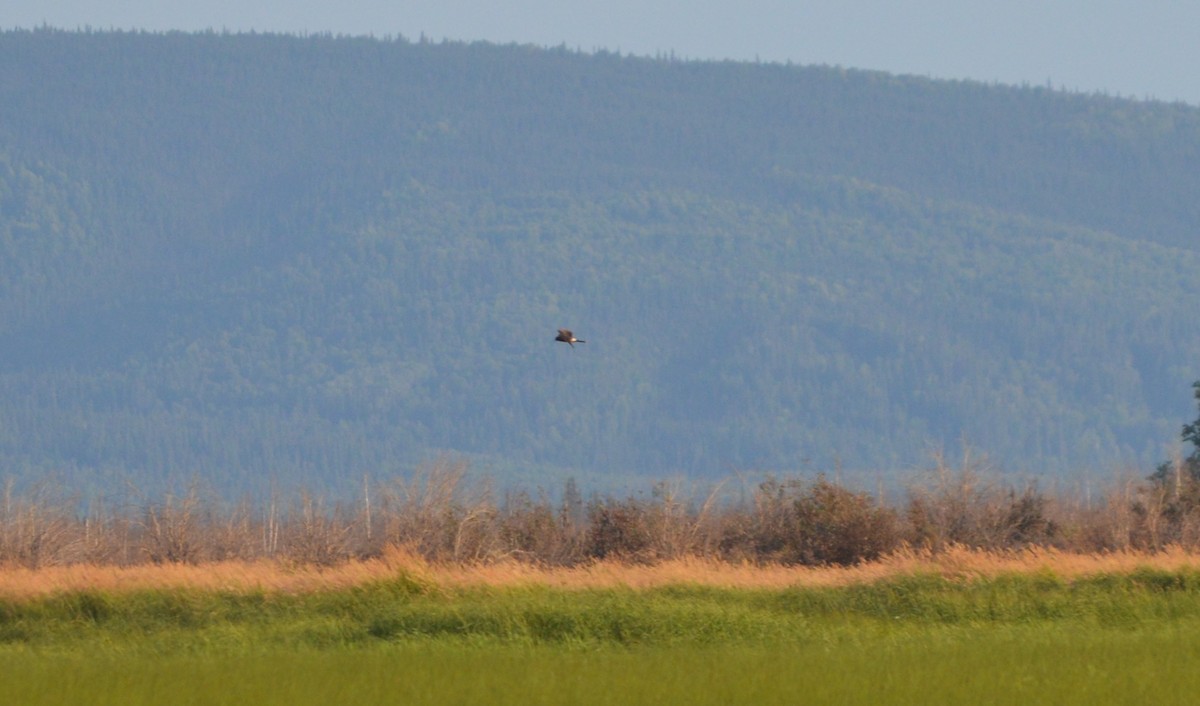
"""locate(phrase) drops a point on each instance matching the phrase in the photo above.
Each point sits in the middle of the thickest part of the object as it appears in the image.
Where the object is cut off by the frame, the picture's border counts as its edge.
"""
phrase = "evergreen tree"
(1191, 434)
(1165, 472)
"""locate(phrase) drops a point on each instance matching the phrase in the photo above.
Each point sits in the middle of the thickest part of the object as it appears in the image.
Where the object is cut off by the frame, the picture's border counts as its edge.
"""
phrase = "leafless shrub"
(963, 506)
(837, 526)
(436, 515)
(440, 517)
(1100, 520)
(170, 530)
(34, 531)
(230, 535)
(677, 526)
(618, 529)
(315, 535)
(533, 531)
(792, 522)
(103, 536)
(1027, 519)
(761, 532)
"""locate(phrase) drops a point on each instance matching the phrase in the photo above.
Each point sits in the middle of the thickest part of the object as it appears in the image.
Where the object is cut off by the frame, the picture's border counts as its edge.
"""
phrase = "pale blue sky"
(1139, 48)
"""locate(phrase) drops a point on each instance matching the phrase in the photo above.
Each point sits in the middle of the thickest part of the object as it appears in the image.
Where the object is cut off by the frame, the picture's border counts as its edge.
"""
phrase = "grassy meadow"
(957, 627)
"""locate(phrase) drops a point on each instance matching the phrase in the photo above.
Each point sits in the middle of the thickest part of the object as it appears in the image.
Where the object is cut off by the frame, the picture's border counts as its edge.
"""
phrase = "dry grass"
(21, 583)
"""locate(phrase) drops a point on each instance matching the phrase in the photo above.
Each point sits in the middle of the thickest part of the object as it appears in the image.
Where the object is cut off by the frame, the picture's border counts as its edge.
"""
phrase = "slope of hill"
(305, 259)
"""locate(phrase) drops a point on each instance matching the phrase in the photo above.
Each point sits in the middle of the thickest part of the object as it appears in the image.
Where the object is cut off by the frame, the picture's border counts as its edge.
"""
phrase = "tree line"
(260, 256)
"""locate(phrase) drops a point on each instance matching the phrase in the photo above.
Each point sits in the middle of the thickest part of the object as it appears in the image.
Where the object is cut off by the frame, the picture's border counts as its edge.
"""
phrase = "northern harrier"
(567, 337)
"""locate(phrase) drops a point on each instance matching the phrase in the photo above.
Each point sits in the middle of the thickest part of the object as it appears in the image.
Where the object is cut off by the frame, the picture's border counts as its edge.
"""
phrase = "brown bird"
(567, 337)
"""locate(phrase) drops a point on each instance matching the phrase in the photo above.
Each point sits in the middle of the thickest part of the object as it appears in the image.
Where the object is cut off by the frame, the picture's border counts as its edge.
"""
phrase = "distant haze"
(282, 261)
(1144, 49)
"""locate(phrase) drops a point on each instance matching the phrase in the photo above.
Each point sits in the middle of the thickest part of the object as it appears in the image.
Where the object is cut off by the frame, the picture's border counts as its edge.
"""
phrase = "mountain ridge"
(262, 256)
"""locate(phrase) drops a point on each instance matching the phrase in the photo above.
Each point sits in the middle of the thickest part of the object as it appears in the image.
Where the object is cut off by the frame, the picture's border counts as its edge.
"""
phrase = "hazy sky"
(1140, 48)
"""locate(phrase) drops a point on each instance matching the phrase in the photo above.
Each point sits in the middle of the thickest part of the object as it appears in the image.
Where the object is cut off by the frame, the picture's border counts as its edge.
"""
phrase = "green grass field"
(1027, 639)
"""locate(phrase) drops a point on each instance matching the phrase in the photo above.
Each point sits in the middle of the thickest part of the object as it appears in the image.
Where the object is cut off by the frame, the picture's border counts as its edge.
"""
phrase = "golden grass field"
(280, 577)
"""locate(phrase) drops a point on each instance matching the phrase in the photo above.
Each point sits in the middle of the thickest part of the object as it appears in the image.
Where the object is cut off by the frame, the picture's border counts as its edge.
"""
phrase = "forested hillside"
(259, 259)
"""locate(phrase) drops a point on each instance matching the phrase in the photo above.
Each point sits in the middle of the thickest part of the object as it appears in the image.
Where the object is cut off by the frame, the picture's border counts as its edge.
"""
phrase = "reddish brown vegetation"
(438, 517)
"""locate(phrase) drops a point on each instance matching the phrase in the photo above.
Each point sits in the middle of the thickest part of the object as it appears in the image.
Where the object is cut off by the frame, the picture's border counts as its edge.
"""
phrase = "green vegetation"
(274, 261)
(1021, 665)
(407, 610)
(916, 639)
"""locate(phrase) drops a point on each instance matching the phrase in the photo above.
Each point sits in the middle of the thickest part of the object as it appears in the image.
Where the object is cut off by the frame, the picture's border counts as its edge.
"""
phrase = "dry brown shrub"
(314, 535)
(437, 514)
(533, 531)
(441, 517)
(619, 529)
(966, 506)
(837, 526)
(171, 530)
(821, 522)
(37, 530)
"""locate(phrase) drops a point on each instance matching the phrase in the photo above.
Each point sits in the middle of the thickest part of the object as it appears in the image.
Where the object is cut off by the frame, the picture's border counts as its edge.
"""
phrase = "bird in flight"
(567, 337)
